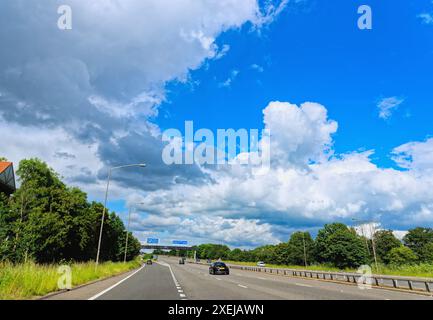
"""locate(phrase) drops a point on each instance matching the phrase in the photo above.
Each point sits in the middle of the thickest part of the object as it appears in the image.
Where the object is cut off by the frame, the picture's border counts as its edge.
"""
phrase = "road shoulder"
(88, 290)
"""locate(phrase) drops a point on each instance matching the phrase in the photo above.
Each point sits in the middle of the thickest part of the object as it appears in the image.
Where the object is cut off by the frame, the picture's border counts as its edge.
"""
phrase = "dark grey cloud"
(119, 55)
(145, 148)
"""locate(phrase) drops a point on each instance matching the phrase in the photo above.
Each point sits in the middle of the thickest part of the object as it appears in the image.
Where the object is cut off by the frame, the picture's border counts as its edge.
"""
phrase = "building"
(7, 178)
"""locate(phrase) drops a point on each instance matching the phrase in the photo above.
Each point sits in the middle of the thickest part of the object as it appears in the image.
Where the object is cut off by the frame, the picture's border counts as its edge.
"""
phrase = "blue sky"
(318, 54)
(350, 110)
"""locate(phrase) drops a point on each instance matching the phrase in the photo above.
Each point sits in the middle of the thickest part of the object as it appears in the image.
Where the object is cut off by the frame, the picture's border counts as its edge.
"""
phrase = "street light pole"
(105, 204)
(305, 249)
(372, 232)
(373, 244)
(127, 234)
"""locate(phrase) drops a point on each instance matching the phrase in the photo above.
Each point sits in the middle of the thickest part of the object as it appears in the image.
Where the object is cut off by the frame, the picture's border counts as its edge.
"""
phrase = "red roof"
(4, 166)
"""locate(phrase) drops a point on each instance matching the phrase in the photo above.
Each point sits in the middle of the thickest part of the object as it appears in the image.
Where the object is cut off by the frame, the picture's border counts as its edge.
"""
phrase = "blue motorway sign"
(180, 242)
(152, 241)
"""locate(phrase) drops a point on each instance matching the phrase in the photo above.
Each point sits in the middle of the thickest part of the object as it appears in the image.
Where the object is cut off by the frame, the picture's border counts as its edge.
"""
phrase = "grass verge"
(421, 270)
(26, 281)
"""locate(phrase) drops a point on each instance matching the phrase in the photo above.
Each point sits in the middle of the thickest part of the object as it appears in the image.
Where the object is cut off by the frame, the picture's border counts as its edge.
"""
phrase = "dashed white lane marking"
(261, 278)
(245, 287)
(176, 283)
(303, 285)
(218, 279)
(115, 285)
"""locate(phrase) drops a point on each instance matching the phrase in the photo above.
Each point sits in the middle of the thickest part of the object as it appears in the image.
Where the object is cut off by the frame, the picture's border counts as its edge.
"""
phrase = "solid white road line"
(115, 285)
(245, 287)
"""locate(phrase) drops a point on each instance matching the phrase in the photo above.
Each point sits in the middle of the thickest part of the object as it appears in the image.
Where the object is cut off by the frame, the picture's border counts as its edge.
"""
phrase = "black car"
(219, 268)
(149, 261)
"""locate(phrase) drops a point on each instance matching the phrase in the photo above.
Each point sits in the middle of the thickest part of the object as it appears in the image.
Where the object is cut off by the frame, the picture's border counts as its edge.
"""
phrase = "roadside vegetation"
(46, 223)
(338, 247)
(28, 280)
(423, 270)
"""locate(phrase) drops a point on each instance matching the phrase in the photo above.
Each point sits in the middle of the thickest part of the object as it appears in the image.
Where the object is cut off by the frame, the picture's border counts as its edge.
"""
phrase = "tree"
(385, 241)
(402, 255)
(417, 239)
(427, 253)
(300, 248)
(7, 230)
(340, 246)
(265, 253)
(213, 251)
(48, 222)
(235, 255)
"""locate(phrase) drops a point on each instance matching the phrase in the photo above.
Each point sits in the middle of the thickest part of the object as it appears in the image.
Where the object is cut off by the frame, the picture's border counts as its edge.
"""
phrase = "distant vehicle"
(261, 264)
(219, 268)
(182, 261)
(209, 261)
(149, 261)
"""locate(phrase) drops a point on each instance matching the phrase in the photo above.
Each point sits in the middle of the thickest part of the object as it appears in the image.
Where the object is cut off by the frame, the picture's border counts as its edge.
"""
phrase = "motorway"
(167, 280)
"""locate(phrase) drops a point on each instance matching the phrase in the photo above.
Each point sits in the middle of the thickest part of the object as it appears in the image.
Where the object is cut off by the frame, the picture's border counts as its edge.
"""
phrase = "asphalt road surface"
(167, 280)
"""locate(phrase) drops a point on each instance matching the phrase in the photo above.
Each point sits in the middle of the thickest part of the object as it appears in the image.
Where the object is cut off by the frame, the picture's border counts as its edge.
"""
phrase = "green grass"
(421, 270)
(30, 280)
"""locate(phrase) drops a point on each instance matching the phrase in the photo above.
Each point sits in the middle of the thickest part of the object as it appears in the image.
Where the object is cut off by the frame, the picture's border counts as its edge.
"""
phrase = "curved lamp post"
(141, 165)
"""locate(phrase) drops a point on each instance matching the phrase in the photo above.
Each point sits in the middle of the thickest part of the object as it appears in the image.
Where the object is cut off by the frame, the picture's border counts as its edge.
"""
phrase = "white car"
(261, 264)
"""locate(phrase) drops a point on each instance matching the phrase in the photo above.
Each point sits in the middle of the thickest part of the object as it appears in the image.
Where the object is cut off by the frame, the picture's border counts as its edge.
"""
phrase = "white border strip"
(115, 285)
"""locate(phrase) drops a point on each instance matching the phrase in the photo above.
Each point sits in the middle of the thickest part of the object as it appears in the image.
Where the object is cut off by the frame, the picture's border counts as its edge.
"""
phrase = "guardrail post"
(427, 287)
(410, 284)
(377, 282)
(394, 283)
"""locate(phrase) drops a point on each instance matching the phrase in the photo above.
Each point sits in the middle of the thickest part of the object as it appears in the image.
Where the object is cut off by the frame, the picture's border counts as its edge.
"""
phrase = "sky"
(349, 111)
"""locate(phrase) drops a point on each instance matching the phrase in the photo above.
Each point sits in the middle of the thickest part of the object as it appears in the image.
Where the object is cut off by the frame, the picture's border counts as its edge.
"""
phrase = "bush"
(385, 241)
(417, 239)
(427, 253)
(402, 255)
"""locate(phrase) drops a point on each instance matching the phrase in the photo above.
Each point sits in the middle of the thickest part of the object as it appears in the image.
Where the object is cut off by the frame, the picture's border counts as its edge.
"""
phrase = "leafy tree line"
(336, 245)
(47, 221)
